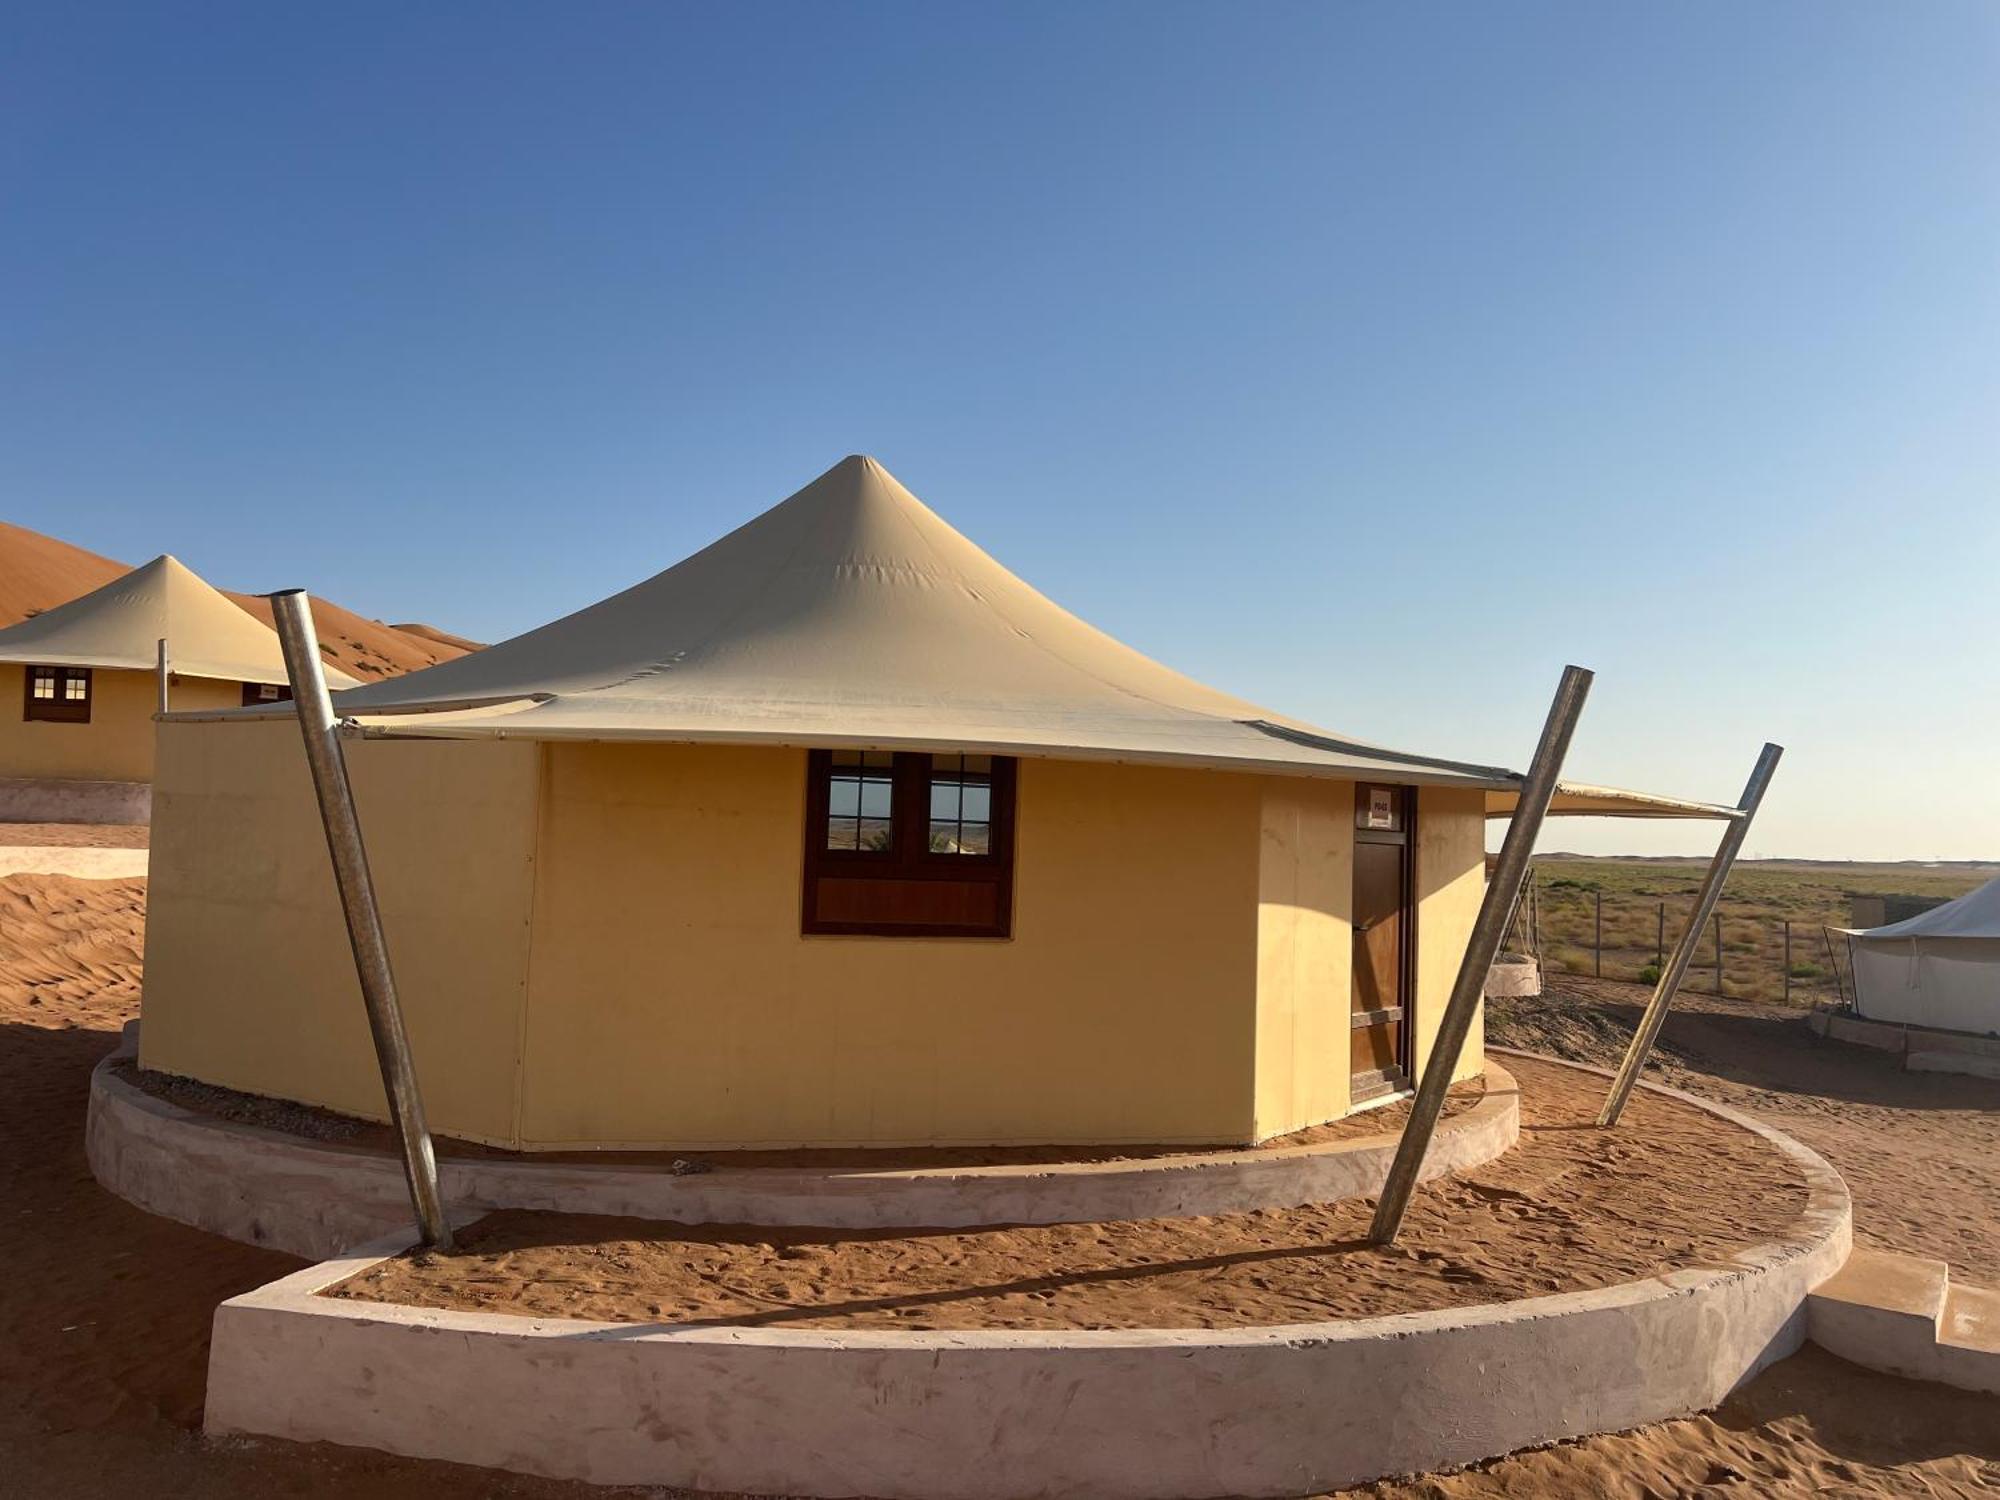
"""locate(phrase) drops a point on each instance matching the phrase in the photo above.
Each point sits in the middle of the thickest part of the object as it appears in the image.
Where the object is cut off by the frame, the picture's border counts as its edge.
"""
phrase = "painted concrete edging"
(77, 863)
(1269, 1411)
(1924, 1048)
(317, 1199)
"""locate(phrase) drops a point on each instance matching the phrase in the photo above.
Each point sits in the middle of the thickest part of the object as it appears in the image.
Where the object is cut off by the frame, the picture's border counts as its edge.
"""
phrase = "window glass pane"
(978, 802)
(944, 800)
(875, 797)
(860, 797)
(45, 685)
(974, 838)
(944, 837)
(75, 688)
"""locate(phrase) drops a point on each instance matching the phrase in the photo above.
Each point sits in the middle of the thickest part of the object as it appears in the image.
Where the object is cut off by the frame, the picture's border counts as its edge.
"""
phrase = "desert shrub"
(1573, 960)
(1649, 973)
(1808, 971)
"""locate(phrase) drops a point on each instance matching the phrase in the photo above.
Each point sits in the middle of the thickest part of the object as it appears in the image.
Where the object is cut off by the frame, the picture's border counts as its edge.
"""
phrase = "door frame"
(1406, 959)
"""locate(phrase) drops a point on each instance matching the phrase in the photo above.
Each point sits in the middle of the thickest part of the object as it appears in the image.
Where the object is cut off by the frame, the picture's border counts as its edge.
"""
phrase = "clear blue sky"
(1369, 361)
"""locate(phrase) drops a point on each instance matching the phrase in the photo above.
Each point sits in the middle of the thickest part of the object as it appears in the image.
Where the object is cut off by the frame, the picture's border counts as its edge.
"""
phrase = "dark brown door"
(1377, 1048)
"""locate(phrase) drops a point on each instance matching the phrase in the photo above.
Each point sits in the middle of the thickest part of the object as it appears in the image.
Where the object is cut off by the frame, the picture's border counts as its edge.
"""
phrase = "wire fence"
(1574, 929)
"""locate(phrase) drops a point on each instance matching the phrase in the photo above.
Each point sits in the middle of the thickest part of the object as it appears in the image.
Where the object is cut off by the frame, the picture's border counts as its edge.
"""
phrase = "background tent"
(1940, 968)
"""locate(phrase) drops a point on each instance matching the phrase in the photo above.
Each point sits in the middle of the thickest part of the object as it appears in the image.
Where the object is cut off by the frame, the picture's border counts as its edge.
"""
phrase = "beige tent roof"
(851, 615)
(121, 624)
(1575, 799)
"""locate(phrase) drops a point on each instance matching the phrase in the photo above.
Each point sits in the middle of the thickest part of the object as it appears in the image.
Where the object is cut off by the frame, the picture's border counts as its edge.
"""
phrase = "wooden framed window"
(57, 695)
(909, 844)
(265, 692)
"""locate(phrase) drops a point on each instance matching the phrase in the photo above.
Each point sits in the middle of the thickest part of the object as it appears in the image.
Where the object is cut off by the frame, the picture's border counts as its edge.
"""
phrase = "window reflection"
(961, 804)
(859, 803)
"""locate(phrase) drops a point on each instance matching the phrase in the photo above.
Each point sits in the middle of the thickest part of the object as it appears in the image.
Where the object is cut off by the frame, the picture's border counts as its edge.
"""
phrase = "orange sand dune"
(39, 572)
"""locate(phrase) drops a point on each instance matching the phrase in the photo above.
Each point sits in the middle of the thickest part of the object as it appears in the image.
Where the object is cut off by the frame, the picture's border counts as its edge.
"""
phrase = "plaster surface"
(317, 1199)
(49, 799)
(988, 1415)
(1903, 1315)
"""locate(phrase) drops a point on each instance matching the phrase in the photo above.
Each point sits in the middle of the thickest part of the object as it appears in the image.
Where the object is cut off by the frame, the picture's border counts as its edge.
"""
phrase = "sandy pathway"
(1920, 1151)
(104, 1315)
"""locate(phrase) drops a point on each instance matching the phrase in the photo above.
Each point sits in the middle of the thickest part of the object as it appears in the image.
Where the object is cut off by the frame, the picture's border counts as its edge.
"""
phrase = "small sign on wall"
(1381, 807)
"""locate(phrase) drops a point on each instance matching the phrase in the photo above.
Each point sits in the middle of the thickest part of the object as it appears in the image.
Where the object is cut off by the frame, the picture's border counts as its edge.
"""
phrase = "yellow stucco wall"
(599, 945)
(249, 981)
(117, 743)
(1304, 952)
(1305, 939)
(672, 998)
(1451, 882)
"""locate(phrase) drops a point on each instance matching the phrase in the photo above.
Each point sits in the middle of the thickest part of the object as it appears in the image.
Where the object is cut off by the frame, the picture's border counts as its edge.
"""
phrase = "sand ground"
(1563, 1211)
(104, 1310)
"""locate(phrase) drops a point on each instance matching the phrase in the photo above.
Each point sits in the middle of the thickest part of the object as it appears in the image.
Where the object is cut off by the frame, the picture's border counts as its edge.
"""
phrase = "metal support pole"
(1788, 963)
(1496, 912)
(292, 613)
(1597, 944)
(1718, 953)
(1660, 938)
(1704, 905)
(160, 670)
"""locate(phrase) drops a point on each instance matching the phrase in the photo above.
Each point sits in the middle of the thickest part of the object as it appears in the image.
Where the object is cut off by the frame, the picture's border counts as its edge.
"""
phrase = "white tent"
(1939, 968)
(121, 625)
(852, 616)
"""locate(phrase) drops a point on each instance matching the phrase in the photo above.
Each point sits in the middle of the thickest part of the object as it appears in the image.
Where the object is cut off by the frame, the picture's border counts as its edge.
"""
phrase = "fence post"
(1718, 953)
(1597, 960)
(1788, 963)
(1660, 940)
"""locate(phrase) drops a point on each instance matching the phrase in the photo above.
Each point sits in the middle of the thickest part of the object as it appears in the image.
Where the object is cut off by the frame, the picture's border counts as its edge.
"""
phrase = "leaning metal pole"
(292, 612)
(160, 674)
(1496, 913)
(1704, 905)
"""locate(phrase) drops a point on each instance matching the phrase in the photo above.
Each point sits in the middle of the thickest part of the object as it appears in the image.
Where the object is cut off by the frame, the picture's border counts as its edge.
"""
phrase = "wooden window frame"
(59, 709)
(910, 857)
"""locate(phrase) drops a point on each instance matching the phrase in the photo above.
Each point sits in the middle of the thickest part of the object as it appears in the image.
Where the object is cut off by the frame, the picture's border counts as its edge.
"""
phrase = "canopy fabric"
(852, 615)
(1973, 915)
(121, 625)
(1574, 799)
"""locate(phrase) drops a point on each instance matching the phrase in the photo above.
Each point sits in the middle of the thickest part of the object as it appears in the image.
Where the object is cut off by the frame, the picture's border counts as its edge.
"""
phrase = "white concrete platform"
(317, 1199)
(63, 859)
(50, 799)
(1923, 1049)
(1903, 1315)
(1269, 1411)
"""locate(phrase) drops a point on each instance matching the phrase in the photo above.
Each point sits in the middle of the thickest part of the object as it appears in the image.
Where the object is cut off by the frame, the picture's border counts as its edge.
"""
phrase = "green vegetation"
(1762, 896)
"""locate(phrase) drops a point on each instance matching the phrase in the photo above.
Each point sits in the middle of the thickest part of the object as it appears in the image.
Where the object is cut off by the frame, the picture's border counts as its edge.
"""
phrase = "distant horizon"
(1366, 363)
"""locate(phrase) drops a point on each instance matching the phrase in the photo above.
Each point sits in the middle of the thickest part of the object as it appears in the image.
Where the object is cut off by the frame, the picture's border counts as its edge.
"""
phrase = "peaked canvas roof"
(121, 624)
(1973, 915)
(851, 614)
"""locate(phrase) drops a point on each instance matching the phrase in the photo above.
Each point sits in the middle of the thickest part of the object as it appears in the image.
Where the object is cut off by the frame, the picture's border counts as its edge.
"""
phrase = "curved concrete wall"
(315, 1199)
(985, 1416)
